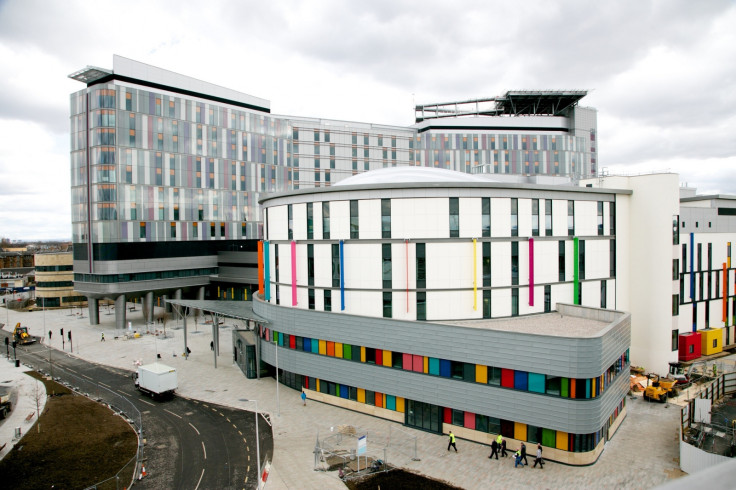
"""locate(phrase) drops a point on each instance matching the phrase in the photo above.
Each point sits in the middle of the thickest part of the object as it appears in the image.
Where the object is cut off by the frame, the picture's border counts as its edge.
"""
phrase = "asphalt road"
(188, 444)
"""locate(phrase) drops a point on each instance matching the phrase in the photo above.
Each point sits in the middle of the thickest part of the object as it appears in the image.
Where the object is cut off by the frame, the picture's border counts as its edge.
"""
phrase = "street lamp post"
(258, 442)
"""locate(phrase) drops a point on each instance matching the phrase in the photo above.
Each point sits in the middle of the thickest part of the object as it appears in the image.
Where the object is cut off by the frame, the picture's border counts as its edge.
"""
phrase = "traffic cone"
(143, 472)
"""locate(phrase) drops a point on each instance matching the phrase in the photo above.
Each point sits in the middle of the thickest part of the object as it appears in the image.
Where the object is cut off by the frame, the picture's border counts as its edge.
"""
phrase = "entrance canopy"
(241, 310)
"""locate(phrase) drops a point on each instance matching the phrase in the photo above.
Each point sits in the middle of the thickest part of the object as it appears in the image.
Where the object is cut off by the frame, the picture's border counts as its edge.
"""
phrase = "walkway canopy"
(240, 310)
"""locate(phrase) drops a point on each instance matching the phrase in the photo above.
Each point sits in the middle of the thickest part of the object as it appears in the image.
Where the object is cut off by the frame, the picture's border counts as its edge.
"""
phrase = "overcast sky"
(661, 74)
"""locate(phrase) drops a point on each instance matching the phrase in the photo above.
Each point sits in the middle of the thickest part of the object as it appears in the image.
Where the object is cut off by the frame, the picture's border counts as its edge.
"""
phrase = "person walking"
(102, 339)
(494, 450)
(523, 454)
(49, 334)
(539, 457)
(304, 398)
(517, 458)
(212, 345)
(503, 449)
(451, 442)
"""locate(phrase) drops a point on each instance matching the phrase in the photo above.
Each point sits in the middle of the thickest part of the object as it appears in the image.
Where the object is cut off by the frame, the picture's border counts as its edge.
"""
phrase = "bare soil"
(81, 443)
(398, 478)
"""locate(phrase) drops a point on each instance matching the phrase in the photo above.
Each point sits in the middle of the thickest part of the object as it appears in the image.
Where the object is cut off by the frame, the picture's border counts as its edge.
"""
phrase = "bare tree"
(38, 395)
(164, 318)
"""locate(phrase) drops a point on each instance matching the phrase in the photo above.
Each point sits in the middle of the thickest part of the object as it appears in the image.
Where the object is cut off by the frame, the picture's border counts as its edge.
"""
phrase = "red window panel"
(407, 364)
(330, 349)
(447, 416)
(418, 364)
(469, 420)
(507, 378)
(292, 342)
(379, 357)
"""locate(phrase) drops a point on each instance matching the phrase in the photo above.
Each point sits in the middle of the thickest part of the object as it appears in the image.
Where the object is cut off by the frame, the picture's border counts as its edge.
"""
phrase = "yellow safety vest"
(499, 439)
(452, 437)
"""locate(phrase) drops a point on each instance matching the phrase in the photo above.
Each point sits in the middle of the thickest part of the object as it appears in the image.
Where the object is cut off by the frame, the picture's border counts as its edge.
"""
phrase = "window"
(603, 294)
(328, 299)
(311, 299)
(386, 218)
(421, 306)
(548, 217)
(291, 221)
(326, 220)
(173, 230)
(675, 304)
(571, 218)
(547, 298)
(561, 260)
(310, 221)
(675, 269)
(514, 263)
(421, 266)
(454, 217)
(486, 213)
(310, 264)
(386, 263)
(675, 340)
(354, 219)
(486, 303)
(612, 258)
(553, 384)
(535, 217)
(581, 259)
(494, 376)
(486, 264)
(514, 217)
(514, 301)
(143, 230)
(335, 265)
(387, 304)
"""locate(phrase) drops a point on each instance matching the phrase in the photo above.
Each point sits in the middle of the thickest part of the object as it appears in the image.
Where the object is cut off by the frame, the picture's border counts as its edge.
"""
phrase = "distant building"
(54, 281)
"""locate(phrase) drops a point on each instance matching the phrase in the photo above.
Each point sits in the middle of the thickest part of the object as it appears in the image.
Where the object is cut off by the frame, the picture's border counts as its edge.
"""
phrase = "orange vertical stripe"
(572, 387)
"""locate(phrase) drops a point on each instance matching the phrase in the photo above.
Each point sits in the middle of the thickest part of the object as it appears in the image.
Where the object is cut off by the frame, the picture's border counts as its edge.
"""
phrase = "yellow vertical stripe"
(361, 395)
(399, 404)
(362, 354)
(481, 374)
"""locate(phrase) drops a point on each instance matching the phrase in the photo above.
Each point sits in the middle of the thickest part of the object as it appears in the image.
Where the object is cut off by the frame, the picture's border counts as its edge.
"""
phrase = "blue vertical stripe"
(342, 277)
(266, 270)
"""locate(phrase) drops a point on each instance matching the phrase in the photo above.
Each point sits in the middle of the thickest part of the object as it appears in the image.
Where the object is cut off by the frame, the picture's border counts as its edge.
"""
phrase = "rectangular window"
(603, 294)
(486, 264)
(143, 230)
(310, 221)
(291, 221)
(675, 340)
(514, 301)
(547, 298)
(311, 299)
(676, 229)
(494, 376)
(354, 229)
(514, 217)
(454, 217)
(600, 217)
(675, 304)
(548, 217)
(335, 265)
(571, 218)
(581, 257)
(310, 264)
(421, 266)
(675, 269)
(387, 304)
(328, 300)
(553, 384)
(173, 230)
(561, 260)
(486, 213)
(612, 258)
(514, 263)
(386, 218)
(421, 305)
(326, 220)
(486, 303)
(535, 217)
(386, 262)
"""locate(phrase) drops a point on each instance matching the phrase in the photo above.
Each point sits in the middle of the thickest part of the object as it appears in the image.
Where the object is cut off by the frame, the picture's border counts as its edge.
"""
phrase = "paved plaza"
(643, 453)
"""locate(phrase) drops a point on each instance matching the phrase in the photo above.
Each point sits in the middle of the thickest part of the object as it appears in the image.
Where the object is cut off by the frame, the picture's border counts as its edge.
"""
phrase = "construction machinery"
(5, 404)
(660, 389)
(21, 335)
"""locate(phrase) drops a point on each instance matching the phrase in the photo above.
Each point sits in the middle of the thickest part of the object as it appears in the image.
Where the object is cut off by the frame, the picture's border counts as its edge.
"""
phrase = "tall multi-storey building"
(167, 171)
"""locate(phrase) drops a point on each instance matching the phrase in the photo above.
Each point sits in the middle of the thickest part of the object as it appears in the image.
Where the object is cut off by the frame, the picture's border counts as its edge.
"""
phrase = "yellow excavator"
(21, 335)
(660, 389)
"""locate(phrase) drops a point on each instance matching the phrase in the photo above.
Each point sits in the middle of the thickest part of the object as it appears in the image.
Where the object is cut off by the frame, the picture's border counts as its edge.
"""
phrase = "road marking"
(235, 427)
(172, 413)
(147, 403)
(195, 429)
(204, 450)
(123, 392)
(103, 384)
(240, 433)
(249, 458)
(86, 376)
(70, 369)
(200, 479)
(228, 419)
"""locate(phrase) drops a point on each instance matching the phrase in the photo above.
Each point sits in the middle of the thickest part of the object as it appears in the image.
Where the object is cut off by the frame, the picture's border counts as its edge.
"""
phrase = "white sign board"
(361, 445)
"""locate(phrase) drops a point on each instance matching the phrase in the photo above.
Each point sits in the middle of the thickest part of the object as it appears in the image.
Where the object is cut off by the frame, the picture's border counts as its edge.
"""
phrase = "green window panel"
(347, 351)
(549, 437)
(536, 382)
(565, 389)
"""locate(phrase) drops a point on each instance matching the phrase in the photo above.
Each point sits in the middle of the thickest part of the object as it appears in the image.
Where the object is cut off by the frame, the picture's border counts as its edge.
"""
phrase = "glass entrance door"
(423, 416)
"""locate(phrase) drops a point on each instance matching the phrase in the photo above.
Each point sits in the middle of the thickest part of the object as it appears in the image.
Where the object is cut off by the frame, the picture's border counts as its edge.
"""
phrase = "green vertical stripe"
(576, 278)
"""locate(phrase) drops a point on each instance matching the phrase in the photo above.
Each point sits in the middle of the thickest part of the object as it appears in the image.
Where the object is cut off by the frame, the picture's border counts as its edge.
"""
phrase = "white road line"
(200, 479)
(204, 450)
(86, 376)
(70, 369)
(123, 392)
(195, 429)
(172, 413)
(103, 384)
(147, 403)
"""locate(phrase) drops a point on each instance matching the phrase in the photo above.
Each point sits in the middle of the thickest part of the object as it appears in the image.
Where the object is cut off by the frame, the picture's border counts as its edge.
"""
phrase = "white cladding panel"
(591, 293)
(546, 259)
(559, 217)
(317, 220)
(323, 265)
(525, 217)
(299, 213)
(500, 264)
(369, 218)
(363, 266)
(442, 305)
(420, 218)
(501, 302)
(278, 223)
(450, 265)
(500, 217)
(586, 218)
(470, 217)
(339, 220)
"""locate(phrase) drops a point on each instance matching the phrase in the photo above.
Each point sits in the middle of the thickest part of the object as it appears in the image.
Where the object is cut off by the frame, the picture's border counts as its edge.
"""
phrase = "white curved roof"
(405, 174)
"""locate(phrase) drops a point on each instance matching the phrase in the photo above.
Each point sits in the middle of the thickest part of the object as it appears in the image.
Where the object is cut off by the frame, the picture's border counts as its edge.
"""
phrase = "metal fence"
(694, 432)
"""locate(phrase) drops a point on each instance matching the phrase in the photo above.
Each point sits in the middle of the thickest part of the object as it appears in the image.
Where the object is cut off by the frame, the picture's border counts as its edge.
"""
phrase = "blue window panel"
(434, 366)
(536, 382)
(281, 339)
(315, 346)
(521, 380)
(343, 391)
(445, 370)
(307, 344)
(391, 402)
(587, 388)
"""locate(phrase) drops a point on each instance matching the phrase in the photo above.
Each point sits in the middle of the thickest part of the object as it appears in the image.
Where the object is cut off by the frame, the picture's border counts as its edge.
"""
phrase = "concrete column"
(93, 304)
(177, 296)
(148, 313)
(167, 307)
(200, 297)
(184, 316)
(120, 312)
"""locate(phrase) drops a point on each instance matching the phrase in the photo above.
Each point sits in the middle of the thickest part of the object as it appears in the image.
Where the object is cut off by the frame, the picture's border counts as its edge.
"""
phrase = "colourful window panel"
(322, 347)
(292, 342)
(536, 382)
(307, 344)
(361, 395)
(281, 339)
(343, 391)
(434, 366)
(593, 388)
(445, 368)
(391, 402)
(407, 364)
(426, 365)
(561, 440)
(379, 400)
(469, 421)
(305, 379)
(362, 354)
(507, 378)
(268, 335)
(565, 387)
(417, 364)
(400, 404)
(347, 351)
(481, 374)
(587, 388)
(387, 358)
(447, 416)
(338, 349)
(572, 387)
(316, 388)
(519, 431)
(521, 380)
(379, 357)
(549, 437)
(330, 349)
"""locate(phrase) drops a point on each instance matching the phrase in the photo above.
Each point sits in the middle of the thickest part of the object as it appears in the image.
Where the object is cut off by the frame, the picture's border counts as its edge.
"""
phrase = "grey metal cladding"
(571, 357)
(581, 416)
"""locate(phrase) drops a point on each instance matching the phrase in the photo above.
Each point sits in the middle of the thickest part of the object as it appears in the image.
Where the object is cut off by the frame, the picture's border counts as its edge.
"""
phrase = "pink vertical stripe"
(407, 275)
(293, 273)
(531, 272)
